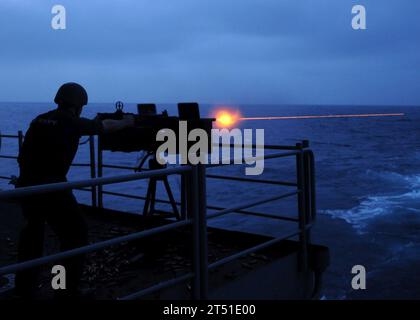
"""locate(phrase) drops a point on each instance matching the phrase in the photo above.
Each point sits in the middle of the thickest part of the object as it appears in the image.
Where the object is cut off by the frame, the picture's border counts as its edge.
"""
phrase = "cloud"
(239, 51)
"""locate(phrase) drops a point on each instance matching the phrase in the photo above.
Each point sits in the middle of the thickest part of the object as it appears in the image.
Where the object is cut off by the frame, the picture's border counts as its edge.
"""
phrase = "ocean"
(368, 186)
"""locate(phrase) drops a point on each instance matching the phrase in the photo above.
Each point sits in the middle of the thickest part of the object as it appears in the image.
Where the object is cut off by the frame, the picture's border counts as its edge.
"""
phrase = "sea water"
(368, 186)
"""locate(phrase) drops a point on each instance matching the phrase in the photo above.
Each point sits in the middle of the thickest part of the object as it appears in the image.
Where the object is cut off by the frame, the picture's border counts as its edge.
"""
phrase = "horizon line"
(234, 104)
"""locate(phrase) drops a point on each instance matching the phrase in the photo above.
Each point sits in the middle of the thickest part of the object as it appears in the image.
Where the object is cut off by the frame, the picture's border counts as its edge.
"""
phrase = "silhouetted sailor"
(48, 150)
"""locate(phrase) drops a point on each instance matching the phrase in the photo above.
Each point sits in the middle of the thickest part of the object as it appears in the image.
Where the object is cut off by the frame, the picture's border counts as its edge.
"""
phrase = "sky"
(213, 51)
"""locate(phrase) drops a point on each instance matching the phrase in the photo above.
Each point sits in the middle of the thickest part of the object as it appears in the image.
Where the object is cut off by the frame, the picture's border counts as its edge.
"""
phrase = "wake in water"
(372, 207)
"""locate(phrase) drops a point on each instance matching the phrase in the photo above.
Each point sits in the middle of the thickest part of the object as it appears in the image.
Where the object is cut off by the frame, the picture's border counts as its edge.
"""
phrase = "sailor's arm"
(110, 125)
(87, 127)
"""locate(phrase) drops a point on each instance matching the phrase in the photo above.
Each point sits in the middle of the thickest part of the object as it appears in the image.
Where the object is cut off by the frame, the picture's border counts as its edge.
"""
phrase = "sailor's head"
(71, 96)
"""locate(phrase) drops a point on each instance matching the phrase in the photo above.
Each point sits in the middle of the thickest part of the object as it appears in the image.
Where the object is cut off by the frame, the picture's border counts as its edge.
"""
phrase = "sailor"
(48, 150)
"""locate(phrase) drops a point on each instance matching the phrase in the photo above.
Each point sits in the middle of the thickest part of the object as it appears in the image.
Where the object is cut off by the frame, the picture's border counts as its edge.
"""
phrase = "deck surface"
(122, 269)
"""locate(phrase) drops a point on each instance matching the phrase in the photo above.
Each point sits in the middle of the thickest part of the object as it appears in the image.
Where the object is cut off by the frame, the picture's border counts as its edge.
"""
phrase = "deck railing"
(195, 177)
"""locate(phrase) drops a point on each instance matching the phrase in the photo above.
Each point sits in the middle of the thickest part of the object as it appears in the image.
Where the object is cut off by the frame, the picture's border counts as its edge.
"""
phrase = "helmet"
(71, 95)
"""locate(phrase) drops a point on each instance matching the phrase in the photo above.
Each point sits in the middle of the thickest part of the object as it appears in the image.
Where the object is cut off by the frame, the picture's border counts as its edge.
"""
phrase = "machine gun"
(142, 137)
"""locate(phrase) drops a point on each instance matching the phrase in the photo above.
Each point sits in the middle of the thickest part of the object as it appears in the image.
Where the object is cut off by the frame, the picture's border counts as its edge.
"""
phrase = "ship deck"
(122, 269)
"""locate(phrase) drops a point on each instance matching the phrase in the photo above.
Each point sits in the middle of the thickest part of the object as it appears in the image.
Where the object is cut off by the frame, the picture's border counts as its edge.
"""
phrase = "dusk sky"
(213, 51)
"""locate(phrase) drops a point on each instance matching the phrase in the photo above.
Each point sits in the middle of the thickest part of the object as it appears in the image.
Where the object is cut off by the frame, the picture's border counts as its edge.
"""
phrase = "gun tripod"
(149, 205)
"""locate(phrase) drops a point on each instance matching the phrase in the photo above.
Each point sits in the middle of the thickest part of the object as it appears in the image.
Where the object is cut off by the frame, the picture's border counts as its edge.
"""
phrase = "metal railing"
(197, 217)
(292, 151)
(92, 163)
(19, 137)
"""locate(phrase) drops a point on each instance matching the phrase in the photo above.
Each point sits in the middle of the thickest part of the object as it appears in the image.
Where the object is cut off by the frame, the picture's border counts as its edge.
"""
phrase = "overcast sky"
(215, 51)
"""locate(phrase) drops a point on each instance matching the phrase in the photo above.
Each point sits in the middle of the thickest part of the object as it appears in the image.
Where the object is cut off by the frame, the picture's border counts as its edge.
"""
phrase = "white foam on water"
(411, 181)
(371, 207)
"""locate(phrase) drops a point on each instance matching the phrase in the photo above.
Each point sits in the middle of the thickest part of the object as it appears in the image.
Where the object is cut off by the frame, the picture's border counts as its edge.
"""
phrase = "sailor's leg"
(68, 223)
(31, 244)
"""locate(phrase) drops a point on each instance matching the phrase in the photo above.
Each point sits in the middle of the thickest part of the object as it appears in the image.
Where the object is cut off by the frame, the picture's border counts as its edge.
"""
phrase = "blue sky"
(218, 51)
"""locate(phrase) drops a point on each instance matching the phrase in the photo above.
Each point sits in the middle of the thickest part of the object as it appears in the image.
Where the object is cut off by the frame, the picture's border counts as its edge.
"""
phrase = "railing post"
(311, 160)
(92, 168)
(307, 185)
(183, 209)
(20, 139)
(202, 214)
(300, 170)
(100, 173)
(197, 211)
(193, 213)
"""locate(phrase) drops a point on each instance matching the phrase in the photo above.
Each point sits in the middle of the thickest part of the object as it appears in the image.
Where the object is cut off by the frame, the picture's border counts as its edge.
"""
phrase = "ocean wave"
(360, 216)
(410, 181)
(371, 207)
